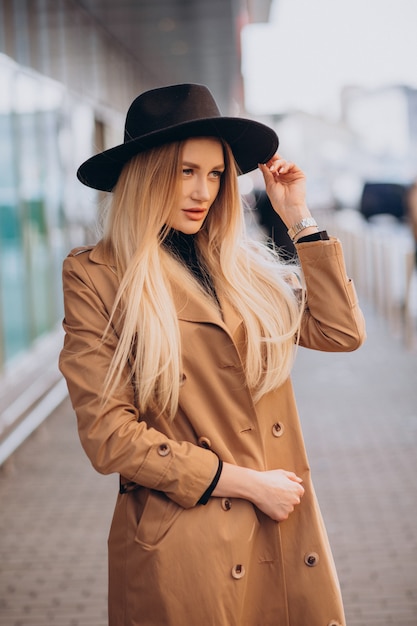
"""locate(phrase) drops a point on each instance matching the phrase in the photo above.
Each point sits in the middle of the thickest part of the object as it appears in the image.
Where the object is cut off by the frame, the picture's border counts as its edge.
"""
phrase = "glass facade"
(63, 83)
(33, 228)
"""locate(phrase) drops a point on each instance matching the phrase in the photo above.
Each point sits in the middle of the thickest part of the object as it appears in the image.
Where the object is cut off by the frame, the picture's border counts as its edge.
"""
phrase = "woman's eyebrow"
(197, 167)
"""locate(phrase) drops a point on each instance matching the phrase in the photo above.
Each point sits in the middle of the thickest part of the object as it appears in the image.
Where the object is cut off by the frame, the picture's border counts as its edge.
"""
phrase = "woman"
(179, 342)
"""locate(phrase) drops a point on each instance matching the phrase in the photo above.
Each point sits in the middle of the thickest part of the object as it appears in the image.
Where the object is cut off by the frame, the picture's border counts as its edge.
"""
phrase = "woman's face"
(202, 168)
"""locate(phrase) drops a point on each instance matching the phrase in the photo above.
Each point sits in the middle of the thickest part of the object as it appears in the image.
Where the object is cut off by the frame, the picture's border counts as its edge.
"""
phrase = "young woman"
(180, 337)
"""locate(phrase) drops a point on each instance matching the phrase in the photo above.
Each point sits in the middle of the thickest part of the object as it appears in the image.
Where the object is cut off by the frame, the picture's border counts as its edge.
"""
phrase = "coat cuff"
(164, 470)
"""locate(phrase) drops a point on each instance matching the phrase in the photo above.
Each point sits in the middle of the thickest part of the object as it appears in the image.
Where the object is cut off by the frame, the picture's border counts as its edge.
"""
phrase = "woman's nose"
(201, 190)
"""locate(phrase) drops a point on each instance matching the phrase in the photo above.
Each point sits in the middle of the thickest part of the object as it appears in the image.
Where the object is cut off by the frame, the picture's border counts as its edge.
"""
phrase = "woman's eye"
(187, 171)
(216, 173)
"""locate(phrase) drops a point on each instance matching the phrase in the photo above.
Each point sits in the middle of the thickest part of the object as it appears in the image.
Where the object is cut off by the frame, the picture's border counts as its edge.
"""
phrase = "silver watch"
(299, 226)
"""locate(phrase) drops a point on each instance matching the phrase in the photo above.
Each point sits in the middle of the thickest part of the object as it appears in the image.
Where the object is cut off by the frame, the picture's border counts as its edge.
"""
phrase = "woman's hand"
(286, 187)
(275, 492)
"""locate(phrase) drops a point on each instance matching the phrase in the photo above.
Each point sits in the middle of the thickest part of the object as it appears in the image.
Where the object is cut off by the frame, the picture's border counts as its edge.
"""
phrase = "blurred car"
(384, 198)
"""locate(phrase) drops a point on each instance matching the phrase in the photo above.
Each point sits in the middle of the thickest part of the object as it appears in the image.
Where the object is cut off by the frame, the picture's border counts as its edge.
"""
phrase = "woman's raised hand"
(286, 187)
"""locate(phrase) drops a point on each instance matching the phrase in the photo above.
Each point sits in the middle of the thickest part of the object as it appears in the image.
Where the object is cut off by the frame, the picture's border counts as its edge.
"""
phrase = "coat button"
(164, 449)
(238, 571)
(204, 442)
(226, 504)
(278, 429)
(311, 559)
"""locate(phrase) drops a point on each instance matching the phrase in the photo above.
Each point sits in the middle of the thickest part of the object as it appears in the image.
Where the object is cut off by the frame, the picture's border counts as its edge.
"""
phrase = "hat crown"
(167, 107)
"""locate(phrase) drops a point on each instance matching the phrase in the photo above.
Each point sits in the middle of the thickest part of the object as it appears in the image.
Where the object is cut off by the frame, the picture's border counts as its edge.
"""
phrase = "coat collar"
(190, 306)
(102, 255)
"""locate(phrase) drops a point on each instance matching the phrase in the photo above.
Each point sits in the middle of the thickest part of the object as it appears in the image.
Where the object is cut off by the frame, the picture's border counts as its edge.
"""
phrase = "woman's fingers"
(281, 166)
(294, 477)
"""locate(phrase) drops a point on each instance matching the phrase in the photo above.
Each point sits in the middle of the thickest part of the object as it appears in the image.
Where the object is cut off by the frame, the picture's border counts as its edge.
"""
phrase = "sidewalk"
(359, 413)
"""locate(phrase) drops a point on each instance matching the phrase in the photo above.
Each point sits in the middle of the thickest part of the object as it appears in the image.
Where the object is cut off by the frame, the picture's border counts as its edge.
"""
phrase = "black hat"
(175, 113)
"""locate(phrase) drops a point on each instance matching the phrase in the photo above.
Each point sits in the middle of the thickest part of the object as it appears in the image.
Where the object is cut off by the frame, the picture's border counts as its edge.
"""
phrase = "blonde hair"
(249, 274)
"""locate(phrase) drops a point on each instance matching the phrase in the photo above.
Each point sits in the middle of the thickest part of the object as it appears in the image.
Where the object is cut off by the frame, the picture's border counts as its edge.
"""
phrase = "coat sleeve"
(112, 437)
(332, 320)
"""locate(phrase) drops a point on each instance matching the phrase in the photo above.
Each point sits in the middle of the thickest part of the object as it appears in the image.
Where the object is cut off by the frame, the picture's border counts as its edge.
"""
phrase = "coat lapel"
(231, 318)
(190, 305)
(193, 307)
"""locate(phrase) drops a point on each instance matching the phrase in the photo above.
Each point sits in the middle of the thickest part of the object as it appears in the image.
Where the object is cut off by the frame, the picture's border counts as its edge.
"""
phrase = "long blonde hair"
(249, 274)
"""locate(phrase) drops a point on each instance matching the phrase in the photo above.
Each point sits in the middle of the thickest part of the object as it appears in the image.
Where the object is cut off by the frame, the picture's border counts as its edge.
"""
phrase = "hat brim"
(251, 143)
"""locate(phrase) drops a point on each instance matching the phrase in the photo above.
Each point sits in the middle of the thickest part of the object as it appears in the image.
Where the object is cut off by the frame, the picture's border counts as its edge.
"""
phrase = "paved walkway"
(359, 413)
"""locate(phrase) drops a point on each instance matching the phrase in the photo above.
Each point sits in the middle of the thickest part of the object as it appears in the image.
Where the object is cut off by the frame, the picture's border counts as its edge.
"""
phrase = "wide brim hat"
(175, 113)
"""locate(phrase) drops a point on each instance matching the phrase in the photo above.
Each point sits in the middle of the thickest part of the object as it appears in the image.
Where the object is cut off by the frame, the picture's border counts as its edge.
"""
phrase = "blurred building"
(68, 71)
(384, 121)
(324, 149)
(374, 141)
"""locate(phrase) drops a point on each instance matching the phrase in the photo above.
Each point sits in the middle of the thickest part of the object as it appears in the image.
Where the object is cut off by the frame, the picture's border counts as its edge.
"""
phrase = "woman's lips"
(195, 214)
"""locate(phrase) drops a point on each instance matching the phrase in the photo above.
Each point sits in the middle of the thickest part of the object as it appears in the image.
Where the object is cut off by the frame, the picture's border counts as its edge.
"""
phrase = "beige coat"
(174, 562)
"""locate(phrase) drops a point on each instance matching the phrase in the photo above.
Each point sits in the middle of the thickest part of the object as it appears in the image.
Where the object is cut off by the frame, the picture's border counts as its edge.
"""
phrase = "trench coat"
(173, 561)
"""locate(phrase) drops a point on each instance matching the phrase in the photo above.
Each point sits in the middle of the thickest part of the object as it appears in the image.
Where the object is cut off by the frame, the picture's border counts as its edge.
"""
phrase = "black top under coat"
(183, 247)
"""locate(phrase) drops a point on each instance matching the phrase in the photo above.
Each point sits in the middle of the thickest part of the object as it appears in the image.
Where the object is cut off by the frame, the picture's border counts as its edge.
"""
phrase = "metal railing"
(380, 258)
(30, 391)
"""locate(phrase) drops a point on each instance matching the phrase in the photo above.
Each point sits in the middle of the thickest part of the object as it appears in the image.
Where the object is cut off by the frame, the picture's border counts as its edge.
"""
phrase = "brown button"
(164, 449)
(278, 429)
(311, 559)
(238, 571)
(204, 442)
(226, 504)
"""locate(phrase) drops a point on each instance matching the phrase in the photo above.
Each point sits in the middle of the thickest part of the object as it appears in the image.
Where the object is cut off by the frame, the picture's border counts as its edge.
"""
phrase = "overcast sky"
(312, 48)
